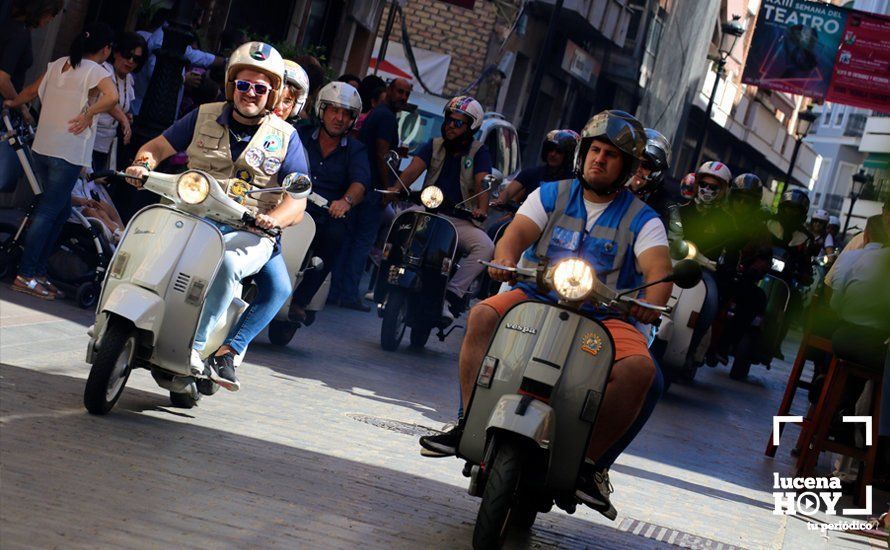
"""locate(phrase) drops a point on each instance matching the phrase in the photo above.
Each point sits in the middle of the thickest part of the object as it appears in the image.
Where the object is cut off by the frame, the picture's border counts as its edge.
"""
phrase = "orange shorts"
(628, 340)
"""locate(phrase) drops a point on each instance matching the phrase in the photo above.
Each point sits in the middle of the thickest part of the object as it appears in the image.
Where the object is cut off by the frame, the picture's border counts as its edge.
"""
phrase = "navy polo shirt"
(449, 177)
(332, 175)
(380, 124)
(180, 135)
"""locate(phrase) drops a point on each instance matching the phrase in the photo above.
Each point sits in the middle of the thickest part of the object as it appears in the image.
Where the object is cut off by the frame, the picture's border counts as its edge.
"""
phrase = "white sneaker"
(446, 311)
(196, 364)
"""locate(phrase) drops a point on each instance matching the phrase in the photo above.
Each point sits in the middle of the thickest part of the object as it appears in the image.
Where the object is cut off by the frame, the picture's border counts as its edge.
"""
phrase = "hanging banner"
(862, 69)
(794, 47)
(433, 66)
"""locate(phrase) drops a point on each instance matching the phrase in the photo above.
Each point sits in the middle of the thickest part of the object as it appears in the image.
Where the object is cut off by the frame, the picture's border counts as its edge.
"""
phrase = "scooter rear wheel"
(394, 320)
(184, 400)
(111, 369)
(498, 496)
(282, 332)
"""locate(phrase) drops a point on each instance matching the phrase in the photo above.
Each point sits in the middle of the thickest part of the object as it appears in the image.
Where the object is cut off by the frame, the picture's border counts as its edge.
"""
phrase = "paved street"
(297, 458)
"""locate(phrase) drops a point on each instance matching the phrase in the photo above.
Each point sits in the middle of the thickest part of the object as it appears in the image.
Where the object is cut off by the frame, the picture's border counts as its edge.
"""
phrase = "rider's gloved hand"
(500, 274)
(139, 171)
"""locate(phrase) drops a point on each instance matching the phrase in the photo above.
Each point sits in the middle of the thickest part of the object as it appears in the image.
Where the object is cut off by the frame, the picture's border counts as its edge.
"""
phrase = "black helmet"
(563, 141)
(657, 158)
(746, 186)
(620, 129)
(795, 197)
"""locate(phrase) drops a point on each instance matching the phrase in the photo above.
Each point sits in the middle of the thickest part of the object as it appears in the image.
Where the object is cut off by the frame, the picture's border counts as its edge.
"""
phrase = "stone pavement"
(301, 457)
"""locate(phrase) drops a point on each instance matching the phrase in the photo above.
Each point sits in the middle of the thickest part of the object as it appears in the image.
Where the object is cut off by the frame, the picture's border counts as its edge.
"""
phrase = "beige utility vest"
(257, 167)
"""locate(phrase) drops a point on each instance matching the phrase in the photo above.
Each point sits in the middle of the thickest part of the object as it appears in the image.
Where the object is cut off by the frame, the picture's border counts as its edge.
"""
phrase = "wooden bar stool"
(815, 436)
(810, 341)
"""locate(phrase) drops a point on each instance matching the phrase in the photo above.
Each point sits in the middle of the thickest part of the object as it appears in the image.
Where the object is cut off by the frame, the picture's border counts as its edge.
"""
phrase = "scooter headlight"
(778, 265)
(693, 251)
(573, 279)
(432, 197)
(192, 187)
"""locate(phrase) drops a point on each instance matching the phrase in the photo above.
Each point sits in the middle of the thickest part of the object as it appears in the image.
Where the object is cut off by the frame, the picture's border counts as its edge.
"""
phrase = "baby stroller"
(78, 266)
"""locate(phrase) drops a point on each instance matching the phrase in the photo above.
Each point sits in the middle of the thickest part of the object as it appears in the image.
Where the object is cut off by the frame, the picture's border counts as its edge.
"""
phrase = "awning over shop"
(878, 161)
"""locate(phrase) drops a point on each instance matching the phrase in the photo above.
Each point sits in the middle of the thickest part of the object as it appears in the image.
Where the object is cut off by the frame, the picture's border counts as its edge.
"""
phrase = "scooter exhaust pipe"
(176, 384)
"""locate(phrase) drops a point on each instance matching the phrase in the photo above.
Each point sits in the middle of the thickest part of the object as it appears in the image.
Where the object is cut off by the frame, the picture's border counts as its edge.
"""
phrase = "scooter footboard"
(562, 360)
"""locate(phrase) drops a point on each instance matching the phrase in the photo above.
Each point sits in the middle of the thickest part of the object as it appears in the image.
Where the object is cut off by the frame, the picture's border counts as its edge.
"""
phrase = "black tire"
(523, 514)
(87, 295)
(184, 400)
(282, 332)
(106, 381)
(741, 363)
(9, 255)
(498, 496)
(206, 387)
(394, 315)
(420, 335)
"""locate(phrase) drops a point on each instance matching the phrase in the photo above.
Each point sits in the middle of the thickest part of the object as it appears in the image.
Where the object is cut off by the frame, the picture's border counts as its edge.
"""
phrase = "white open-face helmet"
(468, 106)
(295, 76)
(339, 94)
(821, 215)
(260, 57)
(715, 169)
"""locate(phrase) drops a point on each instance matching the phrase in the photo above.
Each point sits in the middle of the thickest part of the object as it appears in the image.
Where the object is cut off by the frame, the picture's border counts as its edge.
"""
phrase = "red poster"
(862, 68)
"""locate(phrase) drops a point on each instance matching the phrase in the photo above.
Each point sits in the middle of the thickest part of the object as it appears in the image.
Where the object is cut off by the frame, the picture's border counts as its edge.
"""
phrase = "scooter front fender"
(534, 421)
(143, 307)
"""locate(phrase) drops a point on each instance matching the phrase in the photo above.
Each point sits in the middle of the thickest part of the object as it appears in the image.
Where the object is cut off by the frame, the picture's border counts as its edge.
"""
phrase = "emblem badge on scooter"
(238, 190)
(254, 157)
(591, 343)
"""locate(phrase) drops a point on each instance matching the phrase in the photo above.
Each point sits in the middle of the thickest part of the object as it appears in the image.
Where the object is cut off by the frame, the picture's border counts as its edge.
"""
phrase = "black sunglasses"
(131, 56)
(456, 122)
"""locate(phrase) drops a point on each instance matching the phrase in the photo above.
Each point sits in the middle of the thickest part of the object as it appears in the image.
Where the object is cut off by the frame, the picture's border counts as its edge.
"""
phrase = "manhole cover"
(393, 425)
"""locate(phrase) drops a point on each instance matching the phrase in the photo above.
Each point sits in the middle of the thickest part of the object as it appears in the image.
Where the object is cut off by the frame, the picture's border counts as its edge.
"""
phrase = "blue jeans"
(273, 289)
(10, 167)
(57, 177)
(246, 254)
(655, 392)
(363, 227)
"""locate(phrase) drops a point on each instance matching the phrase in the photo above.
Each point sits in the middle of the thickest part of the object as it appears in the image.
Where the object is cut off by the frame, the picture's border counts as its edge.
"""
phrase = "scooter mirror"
(490, 182)
(392, 158)
(297, 185)
(679, 249)
(687, 274)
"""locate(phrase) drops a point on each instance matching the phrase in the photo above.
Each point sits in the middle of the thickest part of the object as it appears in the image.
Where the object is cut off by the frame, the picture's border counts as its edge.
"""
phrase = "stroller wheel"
(87, 294)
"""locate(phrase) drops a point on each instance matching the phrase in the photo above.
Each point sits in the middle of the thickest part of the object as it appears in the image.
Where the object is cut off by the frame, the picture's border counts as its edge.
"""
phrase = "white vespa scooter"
(671, 346)
(154, 290)
(297, 241)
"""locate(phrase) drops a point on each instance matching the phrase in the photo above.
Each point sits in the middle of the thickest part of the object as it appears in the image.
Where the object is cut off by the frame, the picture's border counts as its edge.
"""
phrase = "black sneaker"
(443, 444)
(594, 490)
(222, 371)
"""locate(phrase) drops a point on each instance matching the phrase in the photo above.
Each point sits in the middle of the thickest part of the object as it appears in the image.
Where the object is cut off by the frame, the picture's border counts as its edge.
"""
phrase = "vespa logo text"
(520, 328)
(143, 232)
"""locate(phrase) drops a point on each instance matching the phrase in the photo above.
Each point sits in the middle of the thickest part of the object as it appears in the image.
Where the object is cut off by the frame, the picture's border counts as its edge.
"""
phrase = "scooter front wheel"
(111, 368)
(394, 320)
(499, 496)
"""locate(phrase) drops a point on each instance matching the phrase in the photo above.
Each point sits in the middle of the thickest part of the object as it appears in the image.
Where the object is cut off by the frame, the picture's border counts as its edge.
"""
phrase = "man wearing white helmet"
(340, 173)
(818, 227)
(243, 145)
(457, 164)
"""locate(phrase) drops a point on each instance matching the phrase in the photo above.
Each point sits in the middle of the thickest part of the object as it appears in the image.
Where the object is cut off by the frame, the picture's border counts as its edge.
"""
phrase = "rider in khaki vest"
(457, 164)
(244, 146)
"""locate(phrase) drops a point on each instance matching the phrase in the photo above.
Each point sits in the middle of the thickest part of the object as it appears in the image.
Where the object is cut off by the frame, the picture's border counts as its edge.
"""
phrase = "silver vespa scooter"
(154, 290)
(538, 394)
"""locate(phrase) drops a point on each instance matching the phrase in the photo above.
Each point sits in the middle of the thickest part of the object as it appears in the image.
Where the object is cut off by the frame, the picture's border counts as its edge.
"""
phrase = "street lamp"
(730, 33)
(860, 179)
(805, 120)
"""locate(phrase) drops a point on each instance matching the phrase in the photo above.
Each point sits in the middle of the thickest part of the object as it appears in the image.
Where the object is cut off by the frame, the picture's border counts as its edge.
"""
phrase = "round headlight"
(192, 187)
(573, 279)
(432, 197)
(693, 251)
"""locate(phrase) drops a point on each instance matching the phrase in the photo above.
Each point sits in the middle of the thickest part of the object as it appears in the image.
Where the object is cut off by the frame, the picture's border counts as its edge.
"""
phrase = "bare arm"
(27, 95)
(7, 90)
(106, 102)
(512, 190)
(289, 212)
(148, 157)
(519, 235)
(381, 147)
(412, 172)
(655, 264)
(481, 200)
(119, 115)
(340, 207)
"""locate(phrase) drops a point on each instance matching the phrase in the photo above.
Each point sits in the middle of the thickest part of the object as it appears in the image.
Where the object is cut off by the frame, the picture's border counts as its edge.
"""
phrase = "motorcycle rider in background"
(648, 182)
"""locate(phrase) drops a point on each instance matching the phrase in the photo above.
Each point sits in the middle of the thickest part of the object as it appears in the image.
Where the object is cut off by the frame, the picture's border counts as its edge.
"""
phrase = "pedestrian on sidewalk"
(73, 90)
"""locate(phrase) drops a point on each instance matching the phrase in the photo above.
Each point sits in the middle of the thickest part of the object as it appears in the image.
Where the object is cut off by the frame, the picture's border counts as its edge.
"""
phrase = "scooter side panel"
(295, 243)
(533, 336)
(675, 330)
